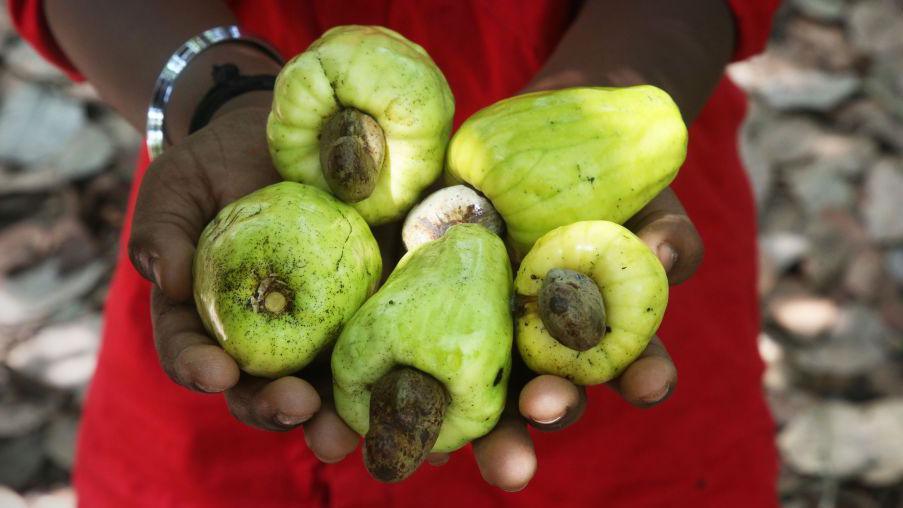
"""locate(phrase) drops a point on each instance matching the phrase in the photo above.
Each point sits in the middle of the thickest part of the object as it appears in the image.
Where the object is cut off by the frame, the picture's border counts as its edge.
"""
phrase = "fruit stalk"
(352, 151)
(407, 407)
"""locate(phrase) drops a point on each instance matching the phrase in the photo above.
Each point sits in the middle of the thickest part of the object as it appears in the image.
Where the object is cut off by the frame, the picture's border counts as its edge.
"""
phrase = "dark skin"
(680, 46)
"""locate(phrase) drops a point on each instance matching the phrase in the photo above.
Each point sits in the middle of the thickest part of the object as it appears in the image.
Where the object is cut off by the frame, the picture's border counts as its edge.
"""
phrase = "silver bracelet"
(156, 112)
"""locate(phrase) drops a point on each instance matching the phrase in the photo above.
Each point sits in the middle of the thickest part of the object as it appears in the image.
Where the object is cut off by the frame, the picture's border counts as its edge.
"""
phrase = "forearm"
(120, 46)
(679, 46)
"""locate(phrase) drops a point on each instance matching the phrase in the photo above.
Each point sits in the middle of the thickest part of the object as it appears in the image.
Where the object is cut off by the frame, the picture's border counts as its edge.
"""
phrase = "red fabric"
(147, 442)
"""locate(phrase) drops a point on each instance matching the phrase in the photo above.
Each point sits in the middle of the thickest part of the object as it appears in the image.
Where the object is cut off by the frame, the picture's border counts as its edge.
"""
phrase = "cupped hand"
(550, 403)
(182, 191)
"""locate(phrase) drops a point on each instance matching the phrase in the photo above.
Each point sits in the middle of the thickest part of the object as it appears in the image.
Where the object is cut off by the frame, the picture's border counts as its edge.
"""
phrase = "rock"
(27, 242)
(63, 497)
(894, 264)
(825, 10)
(865, 274)
(88, 151)
(768, 275)
(35, 124)
(784, 248)
(857, 343)
(59, 441)
(799, 143)
(124, 136)
(23, 61)
(20, 460)
(875, 26)
(803, 315)
(826, 440)
(782, 212)
(816, 45)
(20, 415)
(10, 499)
(85, 153)
(61, 356)
(892, 311)
(868, 118)
(884, 82)
(788, 402)
(833, 240)
(757, 165)
(788, 138)
(6, 31)
(40, 291)
(839, 154)
(884, 422)
(777, 378)
(882, 207)
(886, 380)
(785, 85)
(818, 189)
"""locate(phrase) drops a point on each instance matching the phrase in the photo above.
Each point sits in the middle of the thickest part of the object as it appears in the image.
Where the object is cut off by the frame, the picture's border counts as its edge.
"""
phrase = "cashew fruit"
(364, 113)
(548, 159)
(633, 289)
(279, 271)
(444, 311)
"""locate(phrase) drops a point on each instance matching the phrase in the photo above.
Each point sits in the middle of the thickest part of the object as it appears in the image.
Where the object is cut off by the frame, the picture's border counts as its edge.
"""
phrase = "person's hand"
(181, 192)
(550, 403)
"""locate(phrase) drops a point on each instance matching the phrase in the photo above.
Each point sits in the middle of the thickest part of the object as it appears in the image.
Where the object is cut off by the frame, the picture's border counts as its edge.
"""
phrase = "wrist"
(197, 79)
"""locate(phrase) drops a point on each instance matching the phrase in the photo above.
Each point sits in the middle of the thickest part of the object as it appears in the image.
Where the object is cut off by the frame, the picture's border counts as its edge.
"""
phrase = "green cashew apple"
(423, 365)
(548, 159)
(590, 297)
(278, 272)
(363, 113)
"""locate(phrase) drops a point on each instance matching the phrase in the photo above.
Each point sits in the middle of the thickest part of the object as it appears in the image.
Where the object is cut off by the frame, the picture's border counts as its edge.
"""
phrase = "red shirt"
(146, 442)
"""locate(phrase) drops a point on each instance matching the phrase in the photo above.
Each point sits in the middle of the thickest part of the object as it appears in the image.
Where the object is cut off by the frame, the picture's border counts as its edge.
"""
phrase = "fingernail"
(290, 420)
(147, 266)
(549, 421)
(329, 461)
(204, 388)
(516, 489)
(667, 255)
(657, 396)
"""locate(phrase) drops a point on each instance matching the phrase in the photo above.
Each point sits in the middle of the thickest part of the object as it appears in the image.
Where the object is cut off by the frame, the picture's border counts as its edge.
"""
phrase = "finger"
(505, 456)
(174, 204)
(187, 354)
(184, 188)
(438, 459)
(328, 437)
(276, 405)
(665, 227)
(650, 379)
(551, 403)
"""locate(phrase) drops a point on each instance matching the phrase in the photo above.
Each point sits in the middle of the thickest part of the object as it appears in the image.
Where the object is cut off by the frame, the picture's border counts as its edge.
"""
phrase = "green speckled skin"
(548, 159)
(320, 247)
(445, 311)
(379, 72)
(634, 290)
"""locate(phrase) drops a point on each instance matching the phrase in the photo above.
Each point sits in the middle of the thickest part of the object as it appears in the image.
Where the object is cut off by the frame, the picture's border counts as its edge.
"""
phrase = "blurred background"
(824, 147)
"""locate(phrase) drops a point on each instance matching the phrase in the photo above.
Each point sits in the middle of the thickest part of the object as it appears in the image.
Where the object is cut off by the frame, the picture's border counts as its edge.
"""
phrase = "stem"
(352, 151)
(273, 296)
(406, 411)
(572, 309)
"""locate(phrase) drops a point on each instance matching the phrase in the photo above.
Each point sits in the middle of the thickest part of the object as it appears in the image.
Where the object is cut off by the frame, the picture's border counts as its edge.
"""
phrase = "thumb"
(185, 187)
(173, 207)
